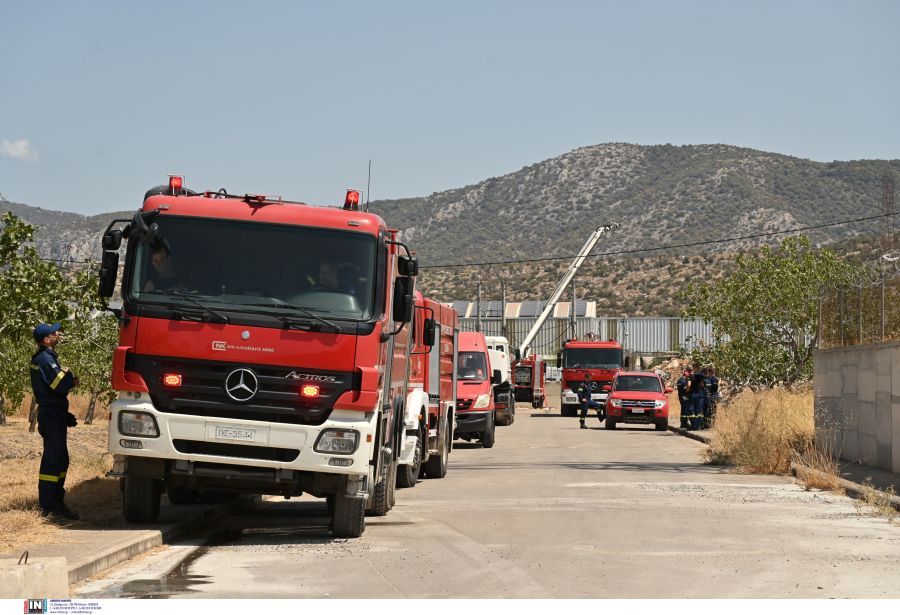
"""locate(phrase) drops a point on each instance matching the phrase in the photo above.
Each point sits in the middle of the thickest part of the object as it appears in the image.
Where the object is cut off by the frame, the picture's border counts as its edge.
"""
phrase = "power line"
(666, 247)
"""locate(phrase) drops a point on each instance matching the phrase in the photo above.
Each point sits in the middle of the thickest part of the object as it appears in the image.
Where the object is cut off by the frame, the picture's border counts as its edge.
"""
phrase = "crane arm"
(570, 273)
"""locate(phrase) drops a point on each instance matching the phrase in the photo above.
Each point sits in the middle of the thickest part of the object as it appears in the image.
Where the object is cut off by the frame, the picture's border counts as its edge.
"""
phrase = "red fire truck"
(530, 378)
(602, 360)
(432, 393)
(263, 349)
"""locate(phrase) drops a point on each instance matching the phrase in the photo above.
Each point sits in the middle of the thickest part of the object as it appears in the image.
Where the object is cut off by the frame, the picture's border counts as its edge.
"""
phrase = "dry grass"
(764, 431)
(95, 497)
(877, 503)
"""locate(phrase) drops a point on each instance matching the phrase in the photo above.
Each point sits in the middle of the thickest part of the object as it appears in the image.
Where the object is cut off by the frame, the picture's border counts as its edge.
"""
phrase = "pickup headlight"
(137, 424)
(659, 403)
(483, 401)
(337, 442)
(615, 403)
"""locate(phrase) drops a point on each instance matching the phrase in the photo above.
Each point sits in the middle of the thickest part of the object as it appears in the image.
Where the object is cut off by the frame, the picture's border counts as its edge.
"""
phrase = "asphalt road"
(550, 511)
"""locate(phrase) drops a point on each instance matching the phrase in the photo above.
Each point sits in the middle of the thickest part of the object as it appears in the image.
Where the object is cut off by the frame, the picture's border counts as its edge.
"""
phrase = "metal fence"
(866, 313)
(641, 335)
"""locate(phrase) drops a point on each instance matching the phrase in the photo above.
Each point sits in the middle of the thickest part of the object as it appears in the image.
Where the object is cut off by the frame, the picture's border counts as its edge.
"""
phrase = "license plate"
(235, 433)
(637, 410)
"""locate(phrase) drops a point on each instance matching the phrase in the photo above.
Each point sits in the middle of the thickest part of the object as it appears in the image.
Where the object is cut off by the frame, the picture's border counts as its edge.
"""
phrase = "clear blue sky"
(100, 100)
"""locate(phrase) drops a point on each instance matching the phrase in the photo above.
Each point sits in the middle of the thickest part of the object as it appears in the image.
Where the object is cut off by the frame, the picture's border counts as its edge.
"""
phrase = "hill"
(661, 195)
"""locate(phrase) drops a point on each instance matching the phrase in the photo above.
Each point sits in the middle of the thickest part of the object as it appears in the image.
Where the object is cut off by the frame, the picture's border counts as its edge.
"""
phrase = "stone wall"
(857, 403)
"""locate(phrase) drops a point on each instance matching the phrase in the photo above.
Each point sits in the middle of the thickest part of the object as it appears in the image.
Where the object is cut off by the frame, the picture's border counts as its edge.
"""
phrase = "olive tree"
(765, 314)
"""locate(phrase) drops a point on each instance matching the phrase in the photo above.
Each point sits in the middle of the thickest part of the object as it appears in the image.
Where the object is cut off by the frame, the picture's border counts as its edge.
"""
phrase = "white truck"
(504, 392)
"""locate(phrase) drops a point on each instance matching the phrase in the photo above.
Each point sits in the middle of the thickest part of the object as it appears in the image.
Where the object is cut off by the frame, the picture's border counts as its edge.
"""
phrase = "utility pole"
(503, 309)
(478, 307)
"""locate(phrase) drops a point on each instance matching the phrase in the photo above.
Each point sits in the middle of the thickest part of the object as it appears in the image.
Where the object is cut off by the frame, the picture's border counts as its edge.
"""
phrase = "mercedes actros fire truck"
(263, 349)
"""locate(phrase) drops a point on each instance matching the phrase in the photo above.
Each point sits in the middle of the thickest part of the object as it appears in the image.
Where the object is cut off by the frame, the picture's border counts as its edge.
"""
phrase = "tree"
(765, 314)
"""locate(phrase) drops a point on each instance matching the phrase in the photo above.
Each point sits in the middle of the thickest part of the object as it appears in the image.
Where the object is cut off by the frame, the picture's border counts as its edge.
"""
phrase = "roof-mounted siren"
(352, 200)
(176, 184)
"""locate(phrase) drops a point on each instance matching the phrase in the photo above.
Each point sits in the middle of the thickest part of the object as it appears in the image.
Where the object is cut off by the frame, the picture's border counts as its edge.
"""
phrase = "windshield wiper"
(177, 293)
(291, 306)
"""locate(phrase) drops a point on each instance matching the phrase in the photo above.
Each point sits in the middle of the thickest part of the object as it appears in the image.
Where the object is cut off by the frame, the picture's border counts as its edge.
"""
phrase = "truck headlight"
(483, 401)
(337, 442)
(138, 424)
(659, 403)
(615, 403)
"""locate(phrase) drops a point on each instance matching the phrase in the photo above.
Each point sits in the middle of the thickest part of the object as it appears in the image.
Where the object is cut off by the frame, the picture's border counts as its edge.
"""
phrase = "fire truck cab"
(577, 358)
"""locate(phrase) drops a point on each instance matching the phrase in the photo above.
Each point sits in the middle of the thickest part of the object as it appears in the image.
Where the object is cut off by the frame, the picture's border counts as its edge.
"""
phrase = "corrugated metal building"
(641, 335)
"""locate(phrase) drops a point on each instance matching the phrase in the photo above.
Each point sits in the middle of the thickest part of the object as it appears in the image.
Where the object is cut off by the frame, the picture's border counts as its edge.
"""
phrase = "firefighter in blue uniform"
(696, 391)
(584, 397)
(51, 384)
(712, 386)
(684, 398)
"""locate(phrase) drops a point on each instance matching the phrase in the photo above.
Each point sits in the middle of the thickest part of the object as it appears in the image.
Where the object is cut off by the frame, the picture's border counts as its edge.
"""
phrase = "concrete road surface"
(550, 511)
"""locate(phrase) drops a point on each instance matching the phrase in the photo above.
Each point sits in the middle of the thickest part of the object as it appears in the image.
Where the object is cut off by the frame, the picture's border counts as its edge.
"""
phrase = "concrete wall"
(857, 403)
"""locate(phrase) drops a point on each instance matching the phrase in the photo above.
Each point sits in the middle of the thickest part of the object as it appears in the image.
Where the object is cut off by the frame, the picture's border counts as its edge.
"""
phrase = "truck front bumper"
(261, 444)
(473, 422)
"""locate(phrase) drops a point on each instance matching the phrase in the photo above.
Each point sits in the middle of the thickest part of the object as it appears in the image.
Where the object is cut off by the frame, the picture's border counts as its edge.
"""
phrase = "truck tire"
(140, 499)
(436, 466)
(662, 425)
(610, 423)
(487, 438)
(383, 498)
(181, 495)
(569, 410)
(408, 475)
(348, 519)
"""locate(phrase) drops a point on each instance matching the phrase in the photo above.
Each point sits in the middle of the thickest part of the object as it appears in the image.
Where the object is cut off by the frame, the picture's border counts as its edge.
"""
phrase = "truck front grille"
(239, 451)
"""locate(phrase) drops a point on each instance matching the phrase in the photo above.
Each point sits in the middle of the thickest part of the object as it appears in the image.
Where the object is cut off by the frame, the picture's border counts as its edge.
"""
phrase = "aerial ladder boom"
(570, 273)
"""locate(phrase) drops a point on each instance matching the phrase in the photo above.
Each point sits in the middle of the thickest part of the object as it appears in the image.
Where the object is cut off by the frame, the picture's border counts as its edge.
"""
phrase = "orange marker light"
(176, 182)
(351, 201)
(171, 380)
(309, 390)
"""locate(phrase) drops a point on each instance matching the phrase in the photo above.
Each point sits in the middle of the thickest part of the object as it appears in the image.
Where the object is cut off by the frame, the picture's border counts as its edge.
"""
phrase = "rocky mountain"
(661, 195)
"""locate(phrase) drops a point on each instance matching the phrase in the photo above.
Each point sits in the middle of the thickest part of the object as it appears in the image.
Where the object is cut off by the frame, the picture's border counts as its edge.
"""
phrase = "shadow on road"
(624, 466)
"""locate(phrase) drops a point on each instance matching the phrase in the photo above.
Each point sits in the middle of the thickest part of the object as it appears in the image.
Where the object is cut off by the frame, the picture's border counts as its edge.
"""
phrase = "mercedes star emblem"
(241, 384)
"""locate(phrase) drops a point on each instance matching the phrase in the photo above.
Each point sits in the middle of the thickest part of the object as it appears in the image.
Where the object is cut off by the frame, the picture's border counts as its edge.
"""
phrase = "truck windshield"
(649, 384)
(471, 366)
(597, 358)
(233, 266)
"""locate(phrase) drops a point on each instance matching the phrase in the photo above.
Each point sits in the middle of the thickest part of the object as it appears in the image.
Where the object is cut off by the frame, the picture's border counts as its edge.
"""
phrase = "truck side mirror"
(496, 377)
(626, 363)
(407, 266)
(403, 299)
(669, 390)
(606, 388)
(559, 360)
(109, 269)
(112, 240)
(518, 355)
(428, 333)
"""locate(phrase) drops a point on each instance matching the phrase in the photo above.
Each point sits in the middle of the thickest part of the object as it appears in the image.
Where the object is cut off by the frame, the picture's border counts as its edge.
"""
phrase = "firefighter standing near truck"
(50, 384)
(587, 401)
(695, 389)
(712, 388)
(684, 398)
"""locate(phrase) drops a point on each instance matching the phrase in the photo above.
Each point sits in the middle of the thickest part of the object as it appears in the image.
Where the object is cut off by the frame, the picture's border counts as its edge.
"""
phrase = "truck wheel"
(436, 466)
(329, 504)
(662, 425)
(487, 438)
(610, 423)
(181, 495)
(140, 499)
(349, 517)
(383, 498)
(407, 475)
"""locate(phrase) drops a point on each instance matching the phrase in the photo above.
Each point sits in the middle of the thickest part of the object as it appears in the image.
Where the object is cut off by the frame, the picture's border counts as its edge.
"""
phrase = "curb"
(855, 490)
(98, 562)
(693, 435)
